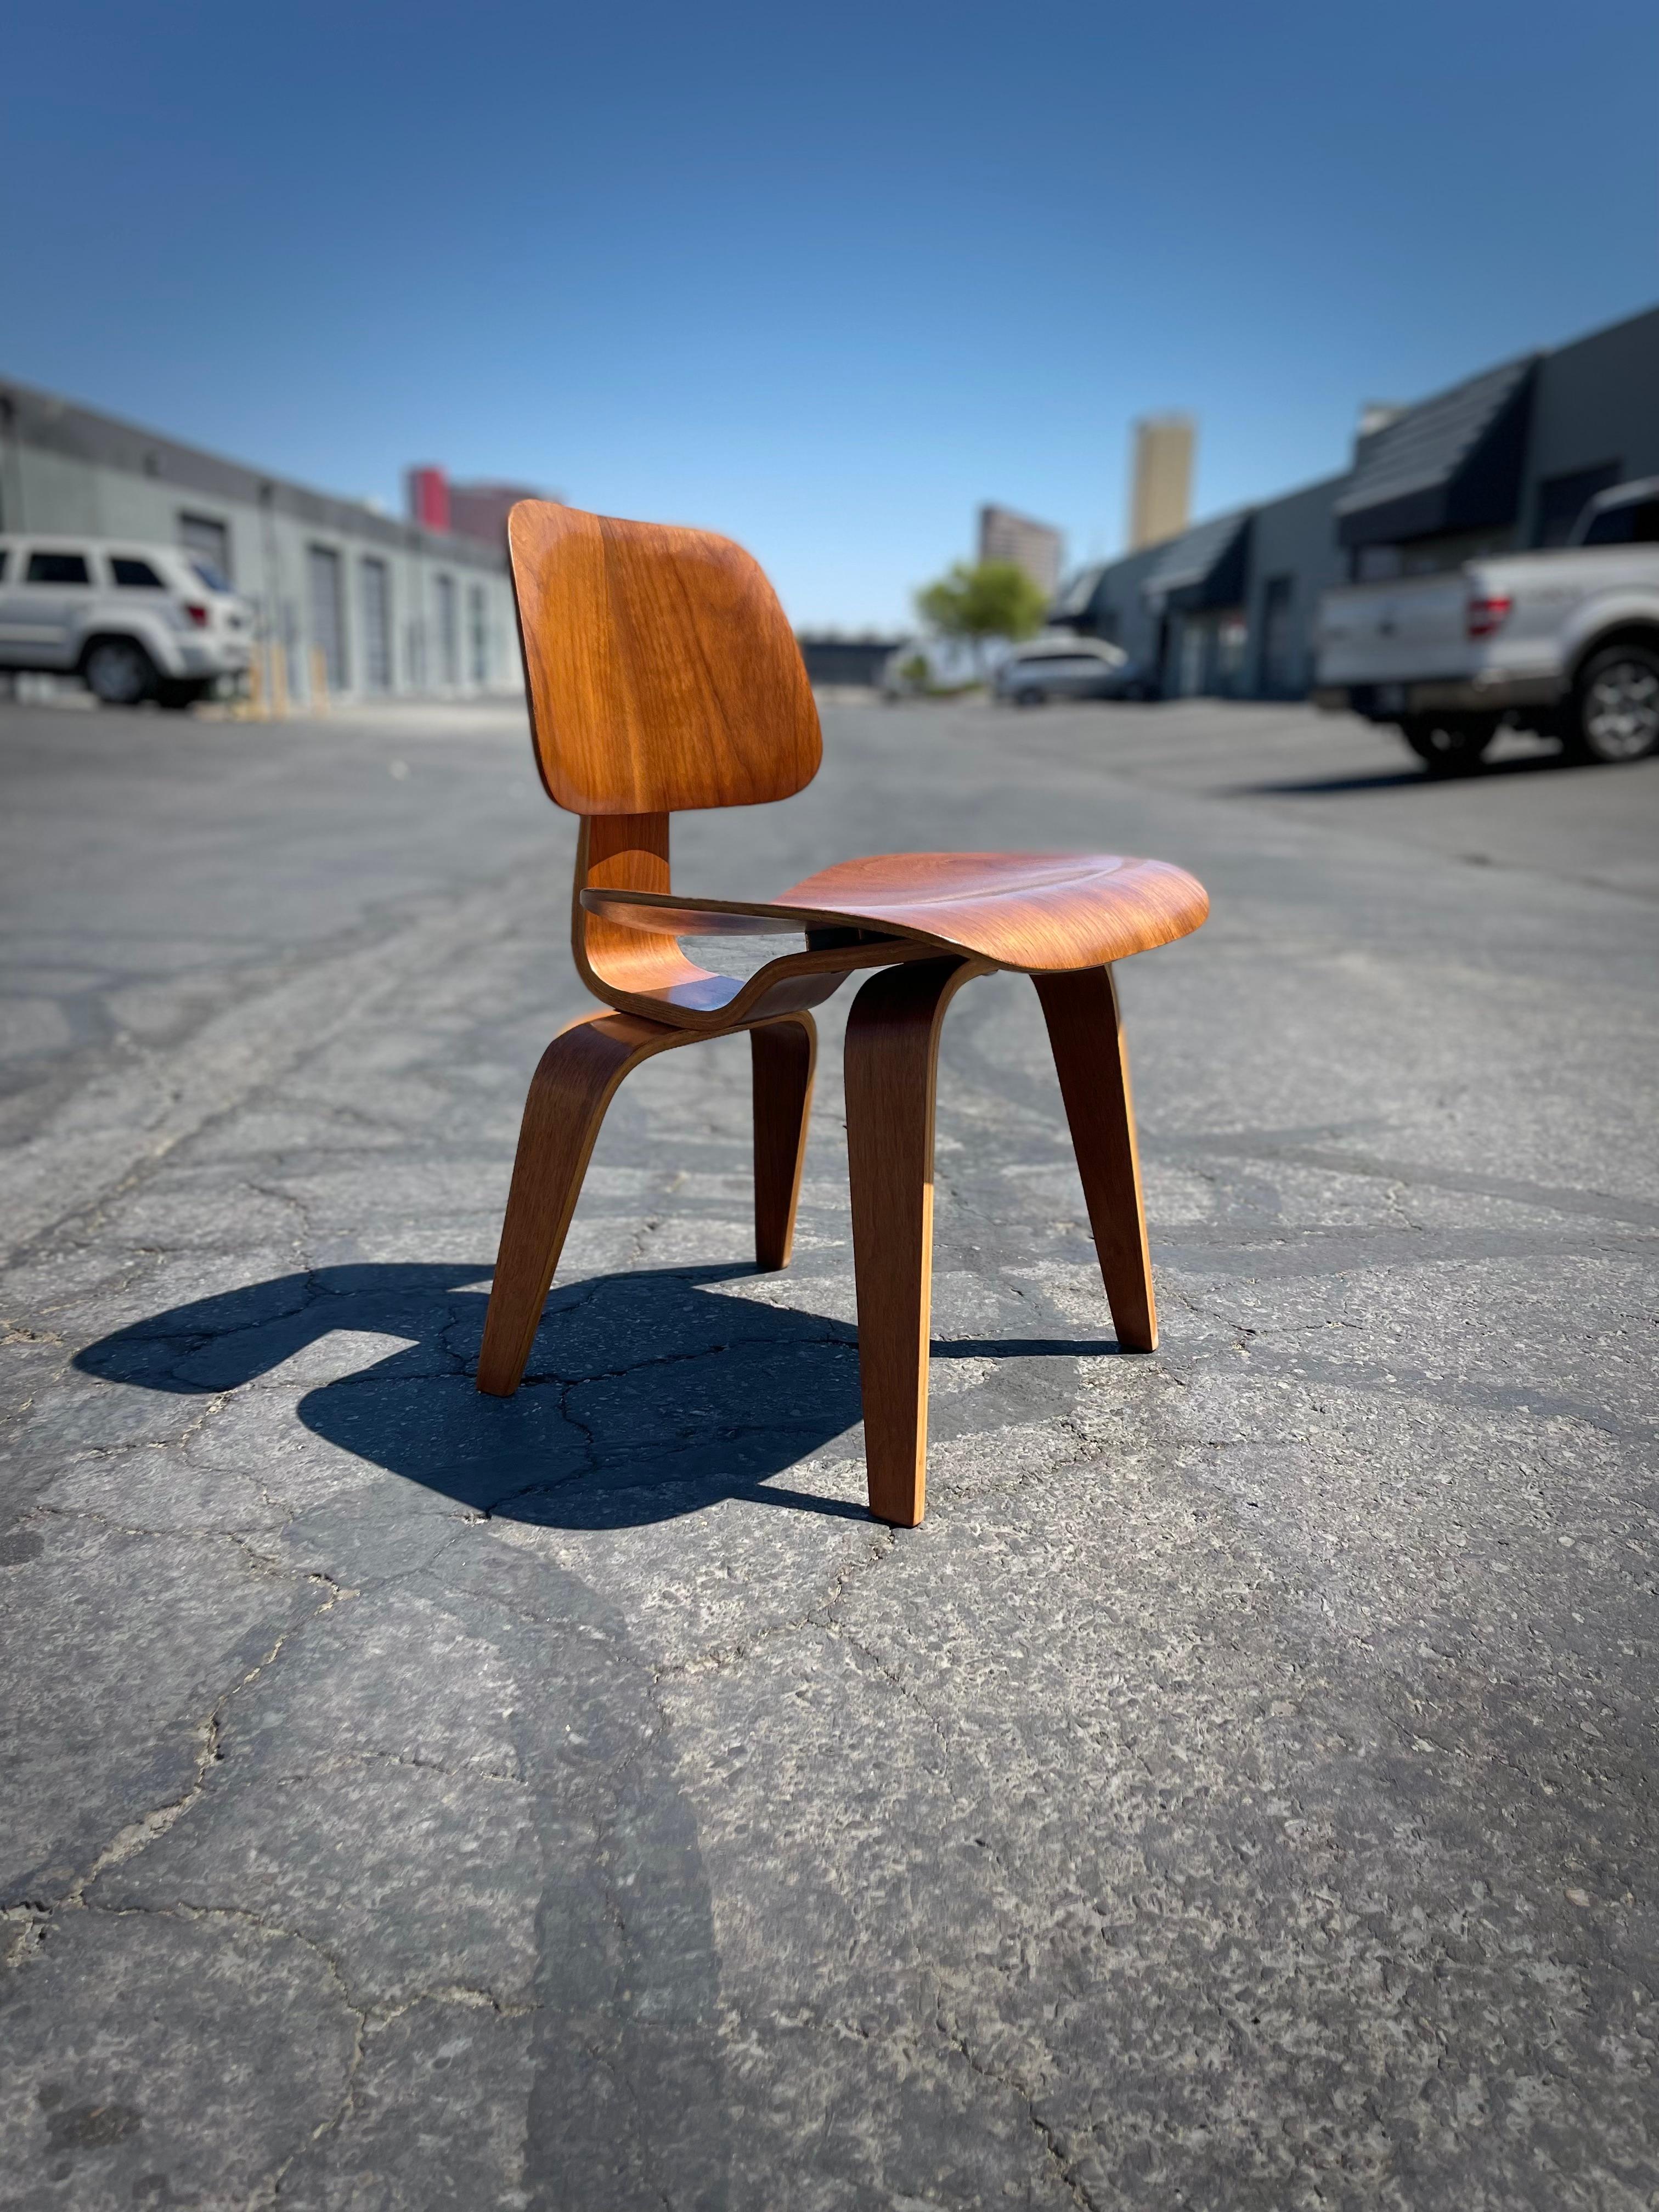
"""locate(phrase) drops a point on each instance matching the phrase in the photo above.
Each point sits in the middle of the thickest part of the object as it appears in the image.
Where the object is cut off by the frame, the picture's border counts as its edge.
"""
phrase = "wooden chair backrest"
(662, 671)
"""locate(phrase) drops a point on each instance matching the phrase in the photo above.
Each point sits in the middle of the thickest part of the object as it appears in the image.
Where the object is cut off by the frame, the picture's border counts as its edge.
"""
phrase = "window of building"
(205, 535)
(478, 629)
(1562, 500)
(377, 626)
(134, 575)
(449, 640)
(58, 569)
(327, 614)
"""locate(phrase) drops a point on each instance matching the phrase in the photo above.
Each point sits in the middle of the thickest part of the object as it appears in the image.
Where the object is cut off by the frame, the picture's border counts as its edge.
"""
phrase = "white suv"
(136, 622)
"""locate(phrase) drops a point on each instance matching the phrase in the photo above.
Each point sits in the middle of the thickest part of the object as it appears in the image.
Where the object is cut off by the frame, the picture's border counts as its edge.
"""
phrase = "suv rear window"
(134, 575)
(214, 578)
(58, 569)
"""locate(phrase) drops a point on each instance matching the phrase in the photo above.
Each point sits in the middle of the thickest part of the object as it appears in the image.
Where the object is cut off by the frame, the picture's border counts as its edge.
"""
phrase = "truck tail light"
(1487, 614)
(198, 615)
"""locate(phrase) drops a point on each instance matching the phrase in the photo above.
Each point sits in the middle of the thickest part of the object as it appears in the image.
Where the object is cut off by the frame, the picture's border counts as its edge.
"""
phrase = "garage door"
(327, 615)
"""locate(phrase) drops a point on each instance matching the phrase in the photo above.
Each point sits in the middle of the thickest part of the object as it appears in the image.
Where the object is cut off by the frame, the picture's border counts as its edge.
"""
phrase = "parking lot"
(1238, 1793)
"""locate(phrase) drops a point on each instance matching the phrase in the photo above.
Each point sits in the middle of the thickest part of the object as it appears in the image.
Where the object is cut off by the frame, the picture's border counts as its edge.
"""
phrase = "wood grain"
(783, 1055)
(1040, 912)
(576, 1080)
(662, 675)
(577, 1076)
(1086, 1029)
(661, 671)
(891, 1073)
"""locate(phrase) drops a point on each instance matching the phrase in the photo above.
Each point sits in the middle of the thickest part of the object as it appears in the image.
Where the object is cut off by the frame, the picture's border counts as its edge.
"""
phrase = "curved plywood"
(662, 673)
(662, 676)
(1043, 912)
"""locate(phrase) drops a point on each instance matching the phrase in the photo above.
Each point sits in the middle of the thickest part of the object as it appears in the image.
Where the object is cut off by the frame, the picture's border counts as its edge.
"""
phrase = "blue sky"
(820, 279)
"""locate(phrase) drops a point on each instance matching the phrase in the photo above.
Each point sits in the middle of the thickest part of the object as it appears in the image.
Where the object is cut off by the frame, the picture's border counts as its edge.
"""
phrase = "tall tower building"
(1160, 495)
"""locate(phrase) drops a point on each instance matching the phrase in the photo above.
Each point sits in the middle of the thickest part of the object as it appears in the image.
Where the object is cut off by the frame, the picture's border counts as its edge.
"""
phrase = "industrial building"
(348, 599)
(1503, 461)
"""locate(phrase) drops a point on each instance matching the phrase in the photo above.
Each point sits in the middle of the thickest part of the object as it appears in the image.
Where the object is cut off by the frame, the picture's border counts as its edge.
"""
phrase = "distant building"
(426, 492)
(375, 606)
(1161, 485)
(478, 511)
(1033, 546)
(1501, 462)
(833, 659)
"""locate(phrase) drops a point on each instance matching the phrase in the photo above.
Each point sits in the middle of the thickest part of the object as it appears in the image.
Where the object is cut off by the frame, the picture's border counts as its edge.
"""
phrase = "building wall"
(1033, 546)
(66, 468)
(1294, 557)
(1161, 479)
(1119, 611)
(1597, 401)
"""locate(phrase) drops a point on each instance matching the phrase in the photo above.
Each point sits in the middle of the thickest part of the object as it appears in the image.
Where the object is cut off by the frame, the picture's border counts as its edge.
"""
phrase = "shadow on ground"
(647, 1396)
(1412, 773)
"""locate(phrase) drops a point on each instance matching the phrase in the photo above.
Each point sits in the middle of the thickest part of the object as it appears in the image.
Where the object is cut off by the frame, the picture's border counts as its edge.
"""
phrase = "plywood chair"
(663, 675)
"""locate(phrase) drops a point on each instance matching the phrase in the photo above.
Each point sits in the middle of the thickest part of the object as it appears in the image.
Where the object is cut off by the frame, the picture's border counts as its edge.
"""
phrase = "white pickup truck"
(1564, 642)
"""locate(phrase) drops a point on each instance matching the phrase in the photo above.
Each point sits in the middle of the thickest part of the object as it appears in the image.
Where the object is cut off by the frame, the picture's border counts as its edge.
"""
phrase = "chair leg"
(576, 1082)
(892, 1060)
(1085, 1030)
(783, 1054)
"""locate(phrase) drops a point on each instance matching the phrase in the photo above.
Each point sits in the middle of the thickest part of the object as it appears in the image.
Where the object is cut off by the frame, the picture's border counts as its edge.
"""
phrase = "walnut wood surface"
(578, 1075)
(1085, 1030)
(1042, 912)
(782, 1056)
(662, 673)
(891, 1073)
(636, 965)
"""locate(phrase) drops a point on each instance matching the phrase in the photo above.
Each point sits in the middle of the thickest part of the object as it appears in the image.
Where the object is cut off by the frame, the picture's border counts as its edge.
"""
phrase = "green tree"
(994, 599)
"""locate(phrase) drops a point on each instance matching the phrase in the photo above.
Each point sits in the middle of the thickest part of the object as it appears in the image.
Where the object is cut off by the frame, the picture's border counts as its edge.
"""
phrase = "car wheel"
(1029, 696)
(1618, 706)
(1447, 747)
(119, 672)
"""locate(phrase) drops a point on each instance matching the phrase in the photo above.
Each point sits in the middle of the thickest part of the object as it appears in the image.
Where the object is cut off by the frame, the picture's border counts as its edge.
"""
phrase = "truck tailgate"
(1412, 630)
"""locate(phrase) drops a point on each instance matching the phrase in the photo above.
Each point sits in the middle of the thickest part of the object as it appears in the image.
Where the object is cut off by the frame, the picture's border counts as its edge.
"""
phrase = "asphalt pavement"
(1239, 1794)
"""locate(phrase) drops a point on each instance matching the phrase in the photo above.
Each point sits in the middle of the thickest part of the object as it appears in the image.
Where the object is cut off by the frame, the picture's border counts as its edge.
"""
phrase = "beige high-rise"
(1160, 495)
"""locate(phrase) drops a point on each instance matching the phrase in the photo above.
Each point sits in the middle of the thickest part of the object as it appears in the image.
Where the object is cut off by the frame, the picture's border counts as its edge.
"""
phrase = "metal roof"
(1193, 559)
(1414, 465)
(1075, 594)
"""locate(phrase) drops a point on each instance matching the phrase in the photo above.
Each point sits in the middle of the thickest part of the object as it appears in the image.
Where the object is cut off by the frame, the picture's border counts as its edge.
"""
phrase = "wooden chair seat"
(1040, 913)
(663, 675)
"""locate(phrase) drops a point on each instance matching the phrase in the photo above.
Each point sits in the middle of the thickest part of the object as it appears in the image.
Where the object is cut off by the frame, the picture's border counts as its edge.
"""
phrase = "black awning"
(1452, 463)
(1076, 596)
(1204, 567)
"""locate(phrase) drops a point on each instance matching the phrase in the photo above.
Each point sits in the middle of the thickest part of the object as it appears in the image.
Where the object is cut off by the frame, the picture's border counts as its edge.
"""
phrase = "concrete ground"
(1239, 1794)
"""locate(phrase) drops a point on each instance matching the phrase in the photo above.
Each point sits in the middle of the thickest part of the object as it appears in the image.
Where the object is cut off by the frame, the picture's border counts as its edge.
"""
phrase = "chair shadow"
(647, 1396)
